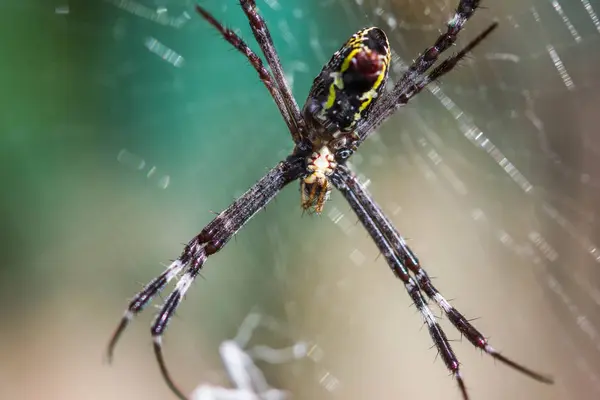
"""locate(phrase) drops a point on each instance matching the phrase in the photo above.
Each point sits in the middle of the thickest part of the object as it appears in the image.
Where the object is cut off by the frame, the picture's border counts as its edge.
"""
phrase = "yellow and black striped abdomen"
(344, 91)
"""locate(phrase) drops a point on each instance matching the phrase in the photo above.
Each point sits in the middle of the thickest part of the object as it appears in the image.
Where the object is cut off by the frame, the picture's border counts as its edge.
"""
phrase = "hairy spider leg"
(414, 88)
(445, 66)
(208, 242)
(387, 104)
(264, 75)
(409, 259)
(197, 253)
(400, 271)
(141, 299)
(265, 42)
(368, 126)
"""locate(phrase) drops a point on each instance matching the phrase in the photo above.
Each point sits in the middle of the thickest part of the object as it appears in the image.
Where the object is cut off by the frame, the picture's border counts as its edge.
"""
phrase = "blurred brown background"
(125, 123)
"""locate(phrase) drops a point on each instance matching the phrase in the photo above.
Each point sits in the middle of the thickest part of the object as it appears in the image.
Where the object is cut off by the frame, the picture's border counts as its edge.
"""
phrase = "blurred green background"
(126, 124)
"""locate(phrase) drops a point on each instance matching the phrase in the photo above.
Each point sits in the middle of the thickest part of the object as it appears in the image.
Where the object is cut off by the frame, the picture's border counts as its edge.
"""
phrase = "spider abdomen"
(343, 93)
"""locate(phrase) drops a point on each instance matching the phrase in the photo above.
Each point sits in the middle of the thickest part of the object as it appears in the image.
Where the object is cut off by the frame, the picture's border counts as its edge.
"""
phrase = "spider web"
(527, 105)
(491, 175)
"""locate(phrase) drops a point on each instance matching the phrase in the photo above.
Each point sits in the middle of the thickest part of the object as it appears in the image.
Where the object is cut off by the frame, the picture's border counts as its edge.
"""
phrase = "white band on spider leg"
(174, 269)
(489, 349)
(442, 302)
(184, 284)
(428, 315)
(423, 308)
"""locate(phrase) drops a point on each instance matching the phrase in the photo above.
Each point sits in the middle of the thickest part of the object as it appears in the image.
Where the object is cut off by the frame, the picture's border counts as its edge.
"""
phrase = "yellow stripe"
(348, 60)
(331, 97)
(337, 81)
(356, 44)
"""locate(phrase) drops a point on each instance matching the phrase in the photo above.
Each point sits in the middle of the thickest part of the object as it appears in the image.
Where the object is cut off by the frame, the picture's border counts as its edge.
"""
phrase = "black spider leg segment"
(341, 182)
(446, 66)
(411, 89)
(388, 104)
(141, 299)
(198, 255)
(408, 258)
(258, 65)
(209, 241)
(264, 40)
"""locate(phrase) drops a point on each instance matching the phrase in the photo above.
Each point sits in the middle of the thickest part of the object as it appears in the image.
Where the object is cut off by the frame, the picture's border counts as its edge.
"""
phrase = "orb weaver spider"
(345, 105)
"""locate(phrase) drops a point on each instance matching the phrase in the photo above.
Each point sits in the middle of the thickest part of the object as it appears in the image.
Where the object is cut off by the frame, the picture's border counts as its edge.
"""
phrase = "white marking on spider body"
(315, 187)
(321, 164)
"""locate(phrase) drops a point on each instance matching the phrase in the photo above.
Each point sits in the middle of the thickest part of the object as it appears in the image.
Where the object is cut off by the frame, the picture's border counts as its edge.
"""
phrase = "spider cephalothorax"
(345, 105)
(315, 187)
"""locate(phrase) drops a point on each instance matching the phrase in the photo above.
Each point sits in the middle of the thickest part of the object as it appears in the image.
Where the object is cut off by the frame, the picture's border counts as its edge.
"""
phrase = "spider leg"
(464, 11)
(413, 88)
(442, 69)
(413, 81)
(168, 310)
(208, 242)
(141, 299)
(409, 259)
(342, 183)
(263, 37)
(258, 65)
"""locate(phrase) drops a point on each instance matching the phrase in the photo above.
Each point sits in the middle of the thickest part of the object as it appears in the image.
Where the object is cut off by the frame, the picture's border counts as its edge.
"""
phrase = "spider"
(346, 103)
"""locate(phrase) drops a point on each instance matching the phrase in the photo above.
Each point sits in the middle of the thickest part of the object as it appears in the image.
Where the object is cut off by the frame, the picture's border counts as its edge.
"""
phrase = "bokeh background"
(124, 124)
